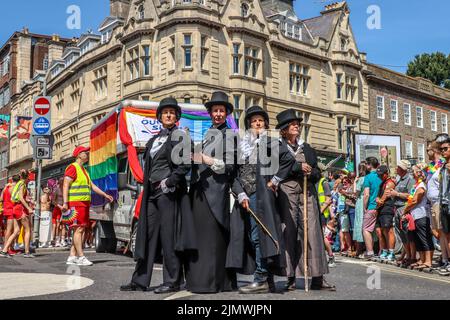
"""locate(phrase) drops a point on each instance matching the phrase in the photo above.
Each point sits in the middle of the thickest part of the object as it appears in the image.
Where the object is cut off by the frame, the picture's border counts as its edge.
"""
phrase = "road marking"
(179, 295)
(21, 285)
(158, 268)
(393, 269)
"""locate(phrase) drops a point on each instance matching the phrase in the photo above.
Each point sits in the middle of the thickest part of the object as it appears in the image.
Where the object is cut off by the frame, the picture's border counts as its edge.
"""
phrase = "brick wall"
(40, 50)
(407, 132)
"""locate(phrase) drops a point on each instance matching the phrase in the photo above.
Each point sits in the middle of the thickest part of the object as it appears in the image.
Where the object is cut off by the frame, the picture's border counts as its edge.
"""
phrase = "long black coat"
(185, 232)
(241, 255)
(216, 186)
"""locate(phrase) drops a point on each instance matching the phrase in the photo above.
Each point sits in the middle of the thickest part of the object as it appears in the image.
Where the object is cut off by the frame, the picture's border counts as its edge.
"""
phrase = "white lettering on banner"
(141, 128)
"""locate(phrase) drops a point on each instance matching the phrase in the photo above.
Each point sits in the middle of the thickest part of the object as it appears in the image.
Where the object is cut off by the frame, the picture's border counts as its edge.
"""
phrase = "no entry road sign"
(42, 106)
(42, 116)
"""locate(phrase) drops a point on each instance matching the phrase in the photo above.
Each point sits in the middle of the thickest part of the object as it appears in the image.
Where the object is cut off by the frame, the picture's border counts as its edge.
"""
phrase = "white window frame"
(408, 123)
(420, 152)
(419, 123)
(187, 50)
(394, 106)
(380, 108)
(444, 123)
(408, 146)
(433, 120)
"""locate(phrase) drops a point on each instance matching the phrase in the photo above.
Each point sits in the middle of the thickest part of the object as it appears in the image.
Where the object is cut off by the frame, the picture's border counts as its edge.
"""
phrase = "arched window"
(141, 12)
(244, 9)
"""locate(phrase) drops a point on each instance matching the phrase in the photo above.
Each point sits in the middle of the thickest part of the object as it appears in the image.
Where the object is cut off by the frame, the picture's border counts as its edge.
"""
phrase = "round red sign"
(42, 106)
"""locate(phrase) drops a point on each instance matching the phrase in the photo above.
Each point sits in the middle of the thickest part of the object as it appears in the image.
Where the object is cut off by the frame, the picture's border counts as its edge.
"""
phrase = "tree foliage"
(434, 67)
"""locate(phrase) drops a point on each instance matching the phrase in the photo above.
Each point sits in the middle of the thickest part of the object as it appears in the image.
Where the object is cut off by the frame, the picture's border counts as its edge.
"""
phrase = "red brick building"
(413, 108)
(21, 56)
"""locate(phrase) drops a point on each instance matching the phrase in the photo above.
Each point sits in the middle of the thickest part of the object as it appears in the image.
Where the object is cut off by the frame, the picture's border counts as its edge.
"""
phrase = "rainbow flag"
(103, 159)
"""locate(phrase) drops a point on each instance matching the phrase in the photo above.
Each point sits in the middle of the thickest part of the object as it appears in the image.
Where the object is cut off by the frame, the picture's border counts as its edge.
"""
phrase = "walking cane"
(261, 224)
(305, 231)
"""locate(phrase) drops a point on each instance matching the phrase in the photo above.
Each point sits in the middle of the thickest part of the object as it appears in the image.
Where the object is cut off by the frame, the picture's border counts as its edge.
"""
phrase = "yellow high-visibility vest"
(15, 196)
(323, 198)
(80, 190)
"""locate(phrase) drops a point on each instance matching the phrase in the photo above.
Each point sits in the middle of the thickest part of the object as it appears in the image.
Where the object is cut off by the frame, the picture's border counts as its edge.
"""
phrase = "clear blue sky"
(408, 27)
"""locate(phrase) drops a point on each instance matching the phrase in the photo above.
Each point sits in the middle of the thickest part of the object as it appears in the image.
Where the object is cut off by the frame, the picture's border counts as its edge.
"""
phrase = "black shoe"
(133, 287)
(166, 289)
(319, 283)
(290, 284)
(271, 283)
(255, 287)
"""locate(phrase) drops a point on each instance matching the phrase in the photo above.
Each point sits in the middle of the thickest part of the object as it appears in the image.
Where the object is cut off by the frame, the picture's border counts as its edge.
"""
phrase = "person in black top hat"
(166, 215)
(211, 178)
(291, 200)
(256, 247)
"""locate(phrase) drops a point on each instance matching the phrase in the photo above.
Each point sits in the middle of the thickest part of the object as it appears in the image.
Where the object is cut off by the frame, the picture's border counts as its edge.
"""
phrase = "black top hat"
(219, 98)
(252, 111)
(166, 103)
(286, 117)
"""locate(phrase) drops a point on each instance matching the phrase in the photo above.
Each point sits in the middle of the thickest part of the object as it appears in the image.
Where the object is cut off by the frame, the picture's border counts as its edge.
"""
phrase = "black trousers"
(160, 227)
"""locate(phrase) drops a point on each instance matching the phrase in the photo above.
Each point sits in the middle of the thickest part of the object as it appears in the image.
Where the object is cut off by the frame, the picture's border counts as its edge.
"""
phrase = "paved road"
(47, 277)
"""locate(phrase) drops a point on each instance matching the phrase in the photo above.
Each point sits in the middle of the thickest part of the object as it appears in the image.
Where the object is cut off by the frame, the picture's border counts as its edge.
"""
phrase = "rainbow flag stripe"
(103, 159)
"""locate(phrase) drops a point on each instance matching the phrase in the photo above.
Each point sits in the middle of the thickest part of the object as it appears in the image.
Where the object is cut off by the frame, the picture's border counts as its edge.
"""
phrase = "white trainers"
(58, 244)
(83, 261)
(72, 260)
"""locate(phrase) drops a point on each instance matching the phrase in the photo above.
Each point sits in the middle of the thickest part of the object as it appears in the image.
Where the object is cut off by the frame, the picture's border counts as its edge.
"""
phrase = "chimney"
(55, 38)
(119, 8)
(335, 7)
(25, 30)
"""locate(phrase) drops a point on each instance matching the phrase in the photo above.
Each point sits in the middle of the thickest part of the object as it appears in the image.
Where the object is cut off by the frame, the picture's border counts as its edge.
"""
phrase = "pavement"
(47, 277)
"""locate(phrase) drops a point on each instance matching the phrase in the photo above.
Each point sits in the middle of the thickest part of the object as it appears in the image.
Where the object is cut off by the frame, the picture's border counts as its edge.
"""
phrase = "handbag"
(411, 223)
(407, 223)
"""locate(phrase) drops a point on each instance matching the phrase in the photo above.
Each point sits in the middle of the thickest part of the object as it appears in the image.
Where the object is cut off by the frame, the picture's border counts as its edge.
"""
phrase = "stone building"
(258, 51)
(22, 55)
(413, 108)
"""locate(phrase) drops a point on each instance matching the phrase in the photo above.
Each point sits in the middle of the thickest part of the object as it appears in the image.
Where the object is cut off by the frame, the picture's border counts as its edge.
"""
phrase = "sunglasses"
(444, 149)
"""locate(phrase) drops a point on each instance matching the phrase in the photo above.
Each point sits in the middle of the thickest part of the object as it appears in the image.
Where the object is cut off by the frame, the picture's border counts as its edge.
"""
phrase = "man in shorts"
(8, 206)
(405, 183)
(371, 188)
(444, 200)
(21, 213)
(58, 229)
(77, 197)
(386, 210)
(46, 202)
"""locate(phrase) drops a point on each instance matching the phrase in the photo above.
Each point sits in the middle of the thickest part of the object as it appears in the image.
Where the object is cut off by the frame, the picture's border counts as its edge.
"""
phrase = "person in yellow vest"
(325, 200)
(77, 189)
(21, 213)
(324, 192)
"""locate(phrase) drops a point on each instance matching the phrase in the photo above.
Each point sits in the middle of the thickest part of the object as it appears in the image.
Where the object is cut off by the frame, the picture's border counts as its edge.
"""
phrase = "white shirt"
(420, 210)
(433, 188)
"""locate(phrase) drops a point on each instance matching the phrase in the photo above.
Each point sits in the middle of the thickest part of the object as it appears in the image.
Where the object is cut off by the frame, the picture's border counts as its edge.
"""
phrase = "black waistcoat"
(160, 168)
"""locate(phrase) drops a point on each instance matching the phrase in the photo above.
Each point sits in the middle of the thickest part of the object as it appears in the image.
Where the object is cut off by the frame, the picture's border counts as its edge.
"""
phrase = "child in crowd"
(329, 231)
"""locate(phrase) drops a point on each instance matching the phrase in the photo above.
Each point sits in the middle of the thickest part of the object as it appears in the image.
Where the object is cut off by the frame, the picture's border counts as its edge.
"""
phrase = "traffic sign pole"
(37, 209)
(41, 126)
